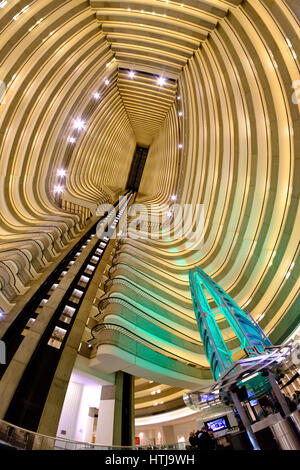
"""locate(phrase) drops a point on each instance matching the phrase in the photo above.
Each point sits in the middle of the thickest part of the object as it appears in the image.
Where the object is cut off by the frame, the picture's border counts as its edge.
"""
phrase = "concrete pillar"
(105, 425)
(124, 410)
(169, 435)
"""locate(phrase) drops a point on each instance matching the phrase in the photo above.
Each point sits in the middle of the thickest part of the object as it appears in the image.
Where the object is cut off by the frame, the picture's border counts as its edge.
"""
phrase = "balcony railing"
(83, 212)
(22, 439)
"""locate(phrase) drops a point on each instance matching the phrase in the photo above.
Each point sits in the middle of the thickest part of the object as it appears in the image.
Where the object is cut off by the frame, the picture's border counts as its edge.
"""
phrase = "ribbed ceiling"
(146, 102)
(158, 35)
(154, 38)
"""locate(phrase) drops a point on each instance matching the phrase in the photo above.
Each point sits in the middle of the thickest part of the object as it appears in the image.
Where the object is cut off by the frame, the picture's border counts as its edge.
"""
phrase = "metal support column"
(245, 420)
(281, 400)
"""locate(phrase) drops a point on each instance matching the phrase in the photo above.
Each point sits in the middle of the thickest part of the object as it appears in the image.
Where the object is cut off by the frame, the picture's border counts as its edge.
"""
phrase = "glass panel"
(83, 281)
(75, 297)
(57, 337)
(52, 289)
(41, 305)
(28, 326)
(89, 269)
(67, 314)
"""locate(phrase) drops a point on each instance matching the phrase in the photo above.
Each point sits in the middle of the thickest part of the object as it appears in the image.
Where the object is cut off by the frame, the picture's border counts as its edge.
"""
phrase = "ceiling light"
(131, 74)
(287, 275)
(169, 214)
(61, 172)
(72, 140)
(79, 124)
(180, 113)
(174, 197)
(161, 81)
(180, 146)
(2, 4)
(106, 82)
(96, 95)
(178, 97)
(58, 189)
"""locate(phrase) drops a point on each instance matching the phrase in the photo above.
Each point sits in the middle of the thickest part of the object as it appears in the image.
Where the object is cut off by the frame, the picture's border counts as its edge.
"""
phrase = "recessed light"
(58, 189)
(161, 81)
(79, 124)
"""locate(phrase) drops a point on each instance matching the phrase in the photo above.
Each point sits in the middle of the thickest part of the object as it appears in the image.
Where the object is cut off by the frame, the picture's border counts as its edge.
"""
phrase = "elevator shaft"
(27, 404)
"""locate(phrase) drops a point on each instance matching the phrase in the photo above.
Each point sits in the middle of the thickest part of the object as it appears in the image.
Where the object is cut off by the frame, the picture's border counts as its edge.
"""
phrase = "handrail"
(123, 280)
(121, 301)
(18, 438)
(128, 333)
(133, 268)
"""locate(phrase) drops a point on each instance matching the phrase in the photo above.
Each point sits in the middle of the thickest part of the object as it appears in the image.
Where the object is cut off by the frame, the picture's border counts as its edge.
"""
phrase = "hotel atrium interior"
(112, 107)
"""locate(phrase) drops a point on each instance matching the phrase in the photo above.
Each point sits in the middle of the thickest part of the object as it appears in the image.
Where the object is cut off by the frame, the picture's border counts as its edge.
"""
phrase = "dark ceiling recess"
(137, 167)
